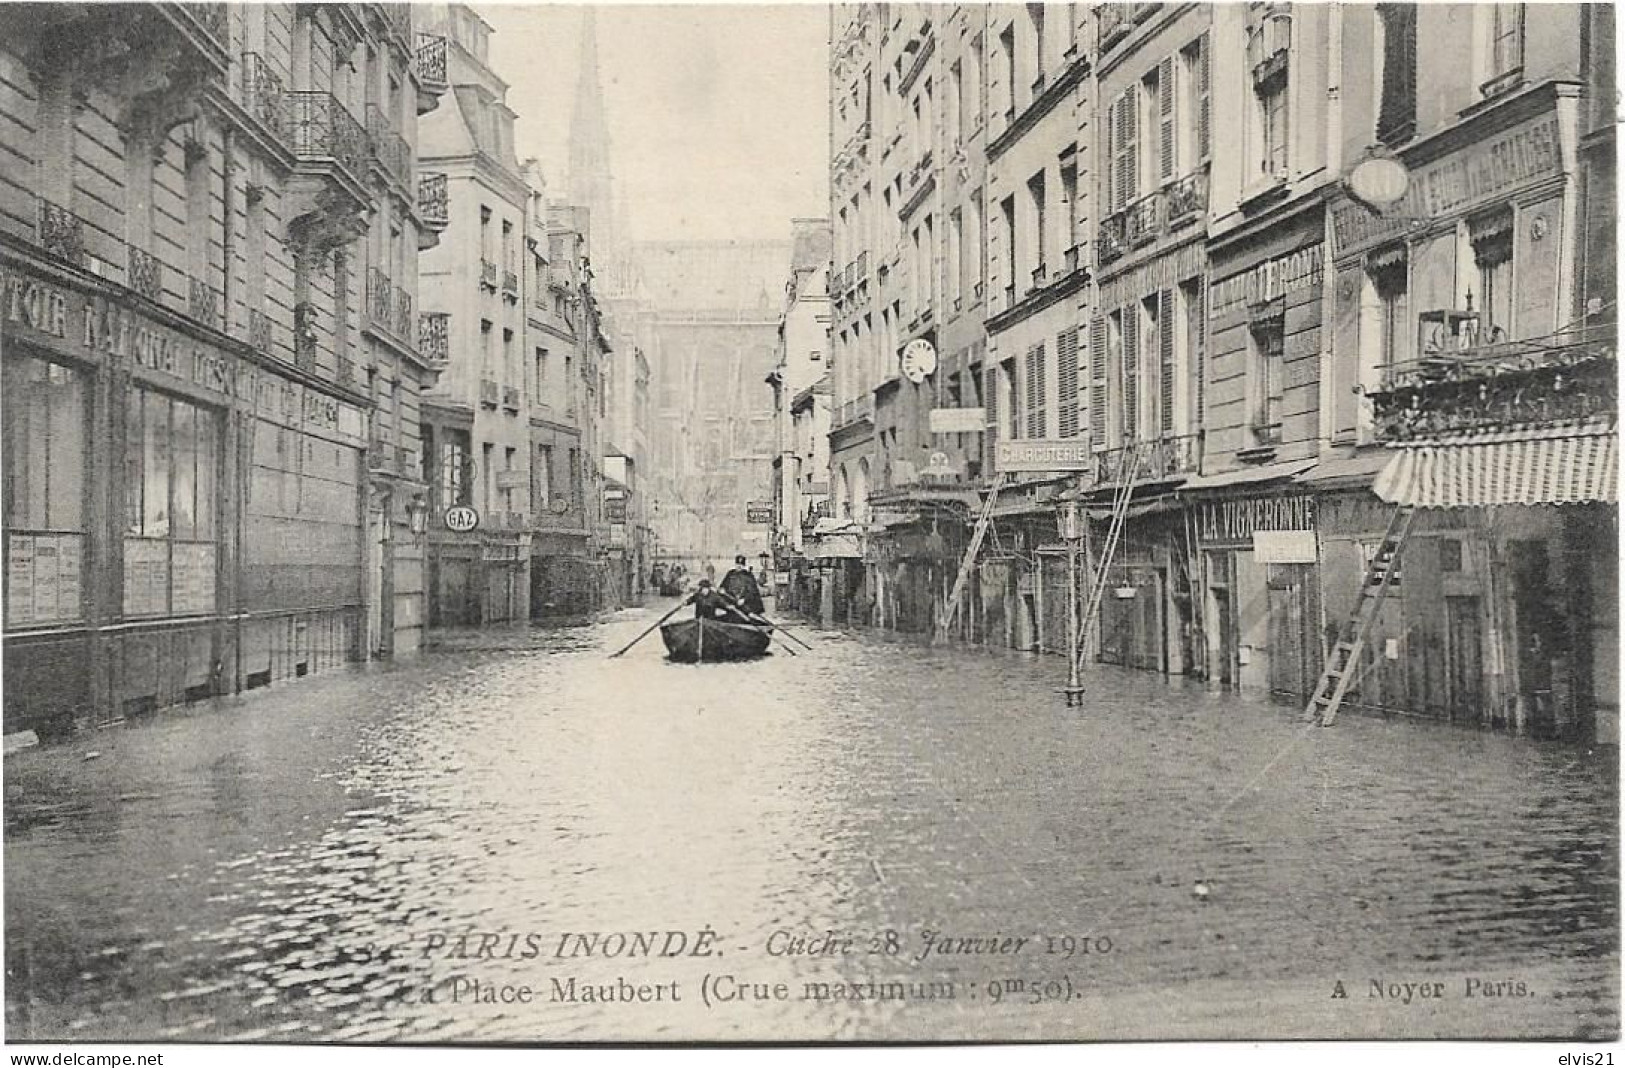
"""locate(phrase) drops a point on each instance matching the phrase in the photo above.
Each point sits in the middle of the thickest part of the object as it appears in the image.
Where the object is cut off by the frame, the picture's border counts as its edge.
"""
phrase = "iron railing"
(401, 324)
(430, 61)
(434, 205)
(510, 282)
(263, 96)
(434, 338)
(389, 148)
(304, 335)
(489, 392)
(145, 273)
(488, 274)
(321, 128)
(1163, 458)
(202, 302)
(259, 330)
(61, 232)
(379, 288)
(1187, 198)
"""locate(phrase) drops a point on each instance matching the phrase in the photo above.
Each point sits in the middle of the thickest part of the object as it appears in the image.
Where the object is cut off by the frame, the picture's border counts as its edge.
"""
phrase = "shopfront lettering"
(1480, 172)
(109, 330)
(1238, 520)
(1269, 280)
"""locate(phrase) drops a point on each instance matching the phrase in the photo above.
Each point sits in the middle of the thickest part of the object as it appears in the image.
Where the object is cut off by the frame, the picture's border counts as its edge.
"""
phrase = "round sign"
(462, 518)
(919, 360)
(1380, 181)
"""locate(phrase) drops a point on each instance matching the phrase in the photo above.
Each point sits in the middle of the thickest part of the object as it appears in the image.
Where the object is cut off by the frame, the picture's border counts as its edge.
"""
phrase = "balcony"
(264, 97)
(390, 152)
(434, 204)
(510, 398)
(380, 298)
(402, 322)
(429, 64)
(488, 275)
(510, 284)
(1115, 22)
(145, 274)
(489, 392)
(397, 19)
(1187, 199)
(1269, 41)
(1172, 456)
(1142, 221)
(434, 338)
(1497, 386)
(1111, 243)
(852, 412)
(61, 233)
(329, 202)
(202, 302)
(259, 331)
(323, 131)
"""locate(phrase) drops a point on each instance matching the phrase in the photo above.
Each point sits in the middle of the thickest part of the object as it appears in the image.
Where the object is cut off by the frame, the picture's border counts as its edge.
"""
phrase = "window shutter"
(1199, 353)
(1165, 376)
(1034, 375)
(1204, 95)
(990, 400)
(1165, 89)
(1097, 383)
(1131, 373)
(1130, 117)
(1066, 353)
(1112, 123)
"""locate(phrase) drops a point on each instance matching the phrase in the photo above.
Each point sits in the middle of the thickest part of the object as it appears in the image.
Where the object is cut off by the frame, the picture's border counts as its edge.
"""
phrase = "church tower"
(591, 182)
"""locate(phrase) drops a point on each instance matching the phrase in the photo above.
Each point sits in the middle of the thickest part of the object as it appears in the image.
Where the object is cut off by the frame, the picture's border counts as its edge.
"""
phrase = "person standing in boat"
(740, 584)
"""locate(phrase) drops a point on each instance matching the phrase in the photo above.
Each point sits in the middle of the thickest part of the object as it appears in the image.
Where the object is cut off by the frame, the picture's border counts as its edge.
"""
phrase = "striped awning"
(1560, 465)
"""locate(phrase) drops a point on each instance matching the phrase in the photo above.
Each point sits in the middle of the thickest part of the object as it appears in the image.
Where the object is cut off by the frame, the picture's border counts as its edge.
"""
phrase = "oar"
(758, 620)
(680, 606)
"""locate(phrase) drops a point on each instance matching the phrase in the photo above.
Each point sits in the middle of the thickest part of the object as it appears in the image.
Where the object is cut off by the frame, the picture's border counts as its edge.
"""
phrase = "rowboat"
(711, 640)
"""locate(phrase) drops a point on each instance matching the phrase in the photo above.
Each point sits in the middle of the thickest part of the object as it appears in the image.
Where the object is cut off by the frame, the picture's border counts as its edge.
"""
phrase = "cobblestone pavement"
(371, 855)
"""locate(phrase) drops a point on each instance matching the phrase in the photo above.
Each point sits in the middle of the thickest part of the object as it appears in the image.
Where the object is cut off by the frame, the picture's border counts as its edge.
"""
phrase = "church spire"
(591, 184)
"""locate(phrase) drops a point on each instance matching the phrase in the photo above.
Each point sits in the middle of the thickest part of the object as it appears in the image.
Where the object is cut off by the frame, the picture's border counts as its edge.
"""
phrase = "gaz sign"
(462, 518)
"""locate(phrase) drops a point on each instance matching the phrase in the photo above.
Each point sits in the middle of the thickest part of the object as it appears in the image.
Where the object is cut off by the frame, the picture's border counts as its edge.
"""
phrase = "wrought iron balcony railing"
(389, 149)
(434, 205)
(1112, 241)
(510, 398)
(259, 331)
(1166, 457)
(434, 338)
(1142, 220)
(489, 392)
(145, 273)
(488, 274)
(510, 282)
(304, 335)
(1496, 386)
(202, 302)
(61, 232)
(1187, 198)
(430, 61)
(402, 322)
(263, 96)
(379, 290)
(322, 129)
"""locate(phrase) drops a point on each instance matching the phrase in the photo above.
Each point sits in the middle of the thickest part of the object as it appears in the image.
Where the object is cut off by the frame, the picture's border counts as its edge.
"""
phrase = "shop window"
(171, 476)
(44, 434)
(1266, 344)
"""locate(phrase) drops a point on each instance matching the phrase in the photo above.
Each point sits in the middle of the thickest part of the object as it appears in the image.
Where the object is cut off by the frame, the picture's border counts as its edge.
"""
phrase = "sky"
(717, 113)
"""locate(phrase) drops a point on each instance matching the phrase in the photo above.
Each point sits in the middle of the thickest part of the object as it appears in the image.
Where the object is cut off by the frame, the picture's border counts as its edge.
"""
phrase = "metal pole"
(1074, 687)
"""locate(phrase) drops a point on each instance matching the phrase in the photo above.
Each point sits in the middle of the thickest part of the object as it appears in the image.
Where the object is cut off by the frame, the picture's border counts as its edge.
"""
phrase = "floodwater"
(873, 839)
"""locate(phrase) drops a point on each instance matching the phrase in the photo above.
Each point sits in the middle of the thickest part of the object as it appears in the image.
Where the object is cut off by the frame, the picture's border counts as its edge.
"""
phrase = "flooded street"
(367, 856)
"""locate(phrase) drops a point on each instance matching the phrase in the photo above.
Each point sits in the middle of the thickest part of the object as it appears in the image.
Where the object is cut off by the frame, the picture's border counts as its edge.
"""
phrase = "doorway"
(1464, 660)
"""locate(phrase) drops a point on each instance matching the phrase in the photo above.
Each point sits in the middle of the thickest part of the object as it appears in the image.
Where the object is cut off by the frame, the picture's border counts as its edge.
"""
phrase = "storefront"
(147, 460)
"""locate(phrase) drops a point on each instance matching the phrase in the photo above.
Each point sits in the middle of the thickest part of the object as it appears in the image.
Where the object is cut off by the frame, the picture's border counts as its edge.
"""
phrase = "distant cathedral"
(705, 315)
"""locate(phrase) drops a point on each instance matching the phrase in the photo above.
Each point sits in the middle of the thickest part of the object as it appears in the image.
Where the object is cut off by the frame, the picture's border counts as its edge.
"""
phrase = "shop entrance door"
(1295, 653)
(1464, 654)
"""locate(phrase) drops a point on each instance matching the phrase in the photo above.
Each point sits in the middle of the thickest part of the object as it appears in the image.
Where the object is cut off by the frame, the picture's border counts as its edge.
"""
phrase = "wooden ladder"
(1121, 497)
(1344, 656)
(950, 608)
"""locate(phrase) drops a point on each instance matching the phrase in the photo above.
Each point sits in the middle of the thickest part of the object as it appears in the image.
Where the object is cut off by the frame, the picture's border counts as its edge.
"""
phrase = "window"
(1396, 108)
(569, 387)
(44, 420)
(1007, 208)
(1122, 149)
(974, 75)
(1037, 400)
(1491, 237)
(1270, 110)
(956, 100)
(510, 371)
(486, 250)
(541, 376)
(1266, 342)
(1066, 385)
(1038, 197)
(1194, 141)
(1504, 52)
(1009, 426)
(541, 477)
(1035, 14)
(485, 348)
(171, 453)
(1069, 209)
(955, 258)
(1007, 52)
(1191, 298)
(1156, 162)
(509, 456)
(976, 261)
(487, 476)
(456, 469)
(575, 478)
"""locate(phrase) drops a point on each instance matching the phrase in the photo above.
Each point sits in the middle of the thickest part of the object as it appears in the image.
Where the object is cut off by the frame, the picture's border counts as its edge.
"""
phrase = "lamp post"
(1071, 521)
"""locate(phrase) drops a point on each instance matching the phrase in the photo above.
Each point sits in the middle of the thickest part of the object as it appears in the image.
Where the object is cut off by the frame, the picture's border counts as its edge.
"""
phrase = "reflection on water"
(367, 857)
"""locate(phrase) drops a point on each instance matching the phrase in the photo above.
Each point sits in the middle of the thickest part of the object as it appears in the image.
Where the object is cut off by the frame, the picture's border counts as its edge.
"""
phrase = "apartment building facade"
(204, 417)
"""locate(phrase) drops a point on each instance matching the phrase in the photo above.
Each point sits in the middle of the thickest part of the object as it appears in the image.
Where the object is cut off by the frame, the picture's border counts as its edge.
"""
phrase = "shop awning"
(1246, 475)
(1561, 465)
(1344, 472)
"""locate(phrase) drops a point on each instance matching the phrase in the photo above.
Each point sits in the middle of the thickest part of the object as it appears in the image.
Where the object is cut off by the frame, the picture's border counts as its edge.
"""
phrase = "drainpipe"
(239, 475)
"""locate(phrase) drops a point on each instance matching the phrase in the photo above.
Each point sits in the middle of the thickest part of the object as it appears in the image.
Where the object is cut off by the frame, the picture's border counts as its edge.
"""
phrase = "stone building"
(209, 220)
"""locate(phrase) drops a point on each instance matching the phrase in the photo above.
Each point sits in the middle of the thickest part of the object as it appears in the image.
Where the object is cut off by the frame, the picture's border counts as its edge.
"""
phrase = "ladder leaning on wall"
(1121, 497)
(950, 607)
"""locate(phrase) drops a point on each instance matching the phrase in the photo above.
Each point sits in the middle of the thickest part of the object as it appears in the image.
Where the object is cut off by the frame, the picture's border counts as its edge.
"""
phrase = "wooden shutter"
(1198, 318)
(1346, 353)
(1165, 373)
(1033, 374)
(1204, 100)
(1097, 383)
(1131, 372)
(1166, 164)
(990, 399)
(1066, 355)
(1128, 144)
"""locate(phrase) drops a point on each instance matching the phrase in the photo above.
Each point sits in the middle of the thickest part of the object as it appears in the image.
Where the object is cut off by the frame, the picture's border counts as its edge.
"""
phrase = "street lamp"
(1073, 529)
(417, 514)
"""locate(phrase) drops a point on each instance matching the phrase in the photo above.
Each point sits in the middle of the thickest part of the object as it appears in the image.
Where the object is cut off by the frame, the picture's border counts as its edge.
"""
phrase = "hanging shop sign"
(760, 512)
(1237, 520)
(1042, 454)
(958, 420)
(1284, 547)
(462, 518)
(1482, 171)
